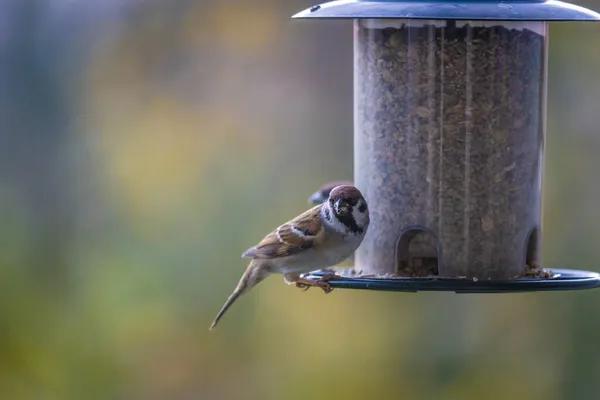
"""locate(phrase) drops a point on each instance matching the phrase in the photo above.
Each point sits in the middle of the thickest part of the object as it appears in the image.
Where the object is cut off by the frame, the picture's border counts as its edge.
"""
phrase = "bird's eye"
(341, 206)
(362, 208)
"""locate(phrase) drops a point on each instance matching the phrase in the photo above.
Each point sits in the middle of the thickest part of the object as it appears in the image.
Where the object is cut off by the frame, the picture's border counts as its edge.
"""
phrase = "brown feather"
(253, 275)
(290, 238)
(345, 192)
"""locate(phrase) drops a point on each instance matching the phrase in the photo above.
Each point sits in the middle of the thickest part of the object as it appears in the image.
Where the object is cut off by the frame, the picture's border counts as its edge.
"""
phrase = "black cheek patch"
(362, 208)
(349, 222)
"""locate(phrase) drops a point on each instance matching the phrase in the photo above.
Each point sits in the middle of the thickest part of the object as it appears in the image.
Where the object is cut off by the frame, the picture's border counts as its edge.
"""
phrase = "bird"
(322, 236)
(322, 194)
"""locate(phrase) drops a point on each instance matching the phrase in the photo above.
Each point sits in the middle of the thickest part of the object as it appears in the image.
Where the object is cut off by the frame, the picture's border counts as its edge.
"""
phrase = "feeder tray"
(449, 137)
(561, 279)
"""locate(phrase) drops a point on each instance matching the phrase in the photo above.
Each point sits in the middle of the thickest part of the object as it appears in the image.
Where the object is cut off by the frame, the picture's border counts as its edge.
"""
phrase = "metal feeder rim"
(483, 10)
(562, 279)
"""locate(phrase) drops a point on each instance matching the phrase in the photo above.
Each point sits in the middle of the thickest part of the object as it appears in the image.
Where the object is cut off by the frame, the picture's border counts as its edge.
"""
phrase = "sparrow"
(320, 237)
(322, 194)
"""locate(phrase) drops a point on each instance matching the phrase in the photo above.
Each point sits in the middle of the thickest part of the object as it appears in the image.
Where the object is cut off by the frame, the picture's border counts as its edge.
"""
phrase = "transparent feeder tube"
(449, 136)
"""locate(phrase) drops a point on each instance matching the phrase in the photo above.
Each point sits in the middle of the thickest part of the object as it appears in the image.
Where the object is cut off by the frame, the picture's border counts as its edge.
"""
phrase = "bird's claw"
(302, 286)
(322, 283)
(325, 286)
(329, 277)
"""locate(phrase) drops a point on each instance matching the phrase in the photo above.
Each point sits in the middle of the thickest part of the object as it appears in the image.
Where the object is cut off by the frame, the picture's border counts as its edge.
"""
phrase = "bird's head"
(349, 209)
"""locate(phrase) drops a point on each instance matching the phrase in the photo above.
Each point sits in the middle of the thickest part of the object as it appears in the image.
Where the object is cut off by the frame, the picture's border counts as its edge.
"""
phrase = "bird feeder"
(449, 133)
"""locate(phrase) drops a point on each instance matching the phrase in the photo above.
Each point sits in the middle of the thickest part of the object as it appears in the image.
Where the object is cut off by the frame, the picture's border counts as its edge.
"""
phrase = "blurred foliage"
(147, 144)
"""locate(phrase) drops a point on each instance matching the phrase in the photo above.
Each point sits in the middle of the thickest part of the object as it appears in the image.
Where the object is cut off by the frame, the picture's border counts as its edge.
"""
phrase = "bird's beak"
(316, 198)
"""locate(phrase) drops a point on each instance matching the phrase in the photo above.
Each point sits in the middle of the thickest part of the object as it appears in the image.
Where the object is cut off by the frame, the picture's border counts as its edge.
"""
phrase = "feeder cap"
(507, 10)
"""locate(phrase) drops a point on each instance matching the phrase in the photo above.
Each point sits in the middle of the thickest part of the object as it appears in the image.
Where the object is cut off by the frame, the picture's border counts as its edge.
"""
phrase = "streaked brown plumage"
(285, 241)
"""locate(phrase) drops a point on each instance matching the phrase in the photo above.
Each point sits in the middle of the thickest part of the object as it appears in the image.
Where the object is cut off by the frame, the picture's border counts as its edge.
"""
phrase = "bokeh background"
(144, 145)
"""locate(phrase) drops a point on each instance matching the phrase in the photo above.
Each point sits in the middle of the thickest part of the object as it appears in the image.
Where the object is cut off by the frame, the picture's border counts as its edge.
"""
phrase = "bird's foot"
(328, 277)
(304, 284)
(323, 283)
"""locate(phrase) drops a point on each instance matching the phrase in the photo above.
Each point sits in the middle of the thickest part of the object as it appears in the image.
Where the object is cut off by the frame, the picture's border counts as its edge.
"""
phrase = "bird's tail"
(253, 274)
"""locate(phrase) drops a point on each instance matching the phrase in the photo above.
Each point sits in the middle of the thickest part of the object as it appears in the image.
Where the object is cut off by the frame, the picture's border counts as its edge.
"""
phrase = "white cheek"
(333, 221)
(336, 208)
(361, 218)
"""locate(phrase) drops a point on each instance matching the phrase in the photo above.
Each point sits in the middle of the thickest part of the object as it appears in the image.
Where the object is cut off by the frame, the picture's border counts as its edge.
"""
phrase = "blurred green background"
(145, 145)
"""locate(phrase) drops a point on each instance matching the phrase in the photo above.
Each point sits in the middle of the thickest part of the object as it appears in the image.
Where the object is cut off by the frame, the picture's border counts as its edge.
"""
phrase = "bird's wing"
(294, 236)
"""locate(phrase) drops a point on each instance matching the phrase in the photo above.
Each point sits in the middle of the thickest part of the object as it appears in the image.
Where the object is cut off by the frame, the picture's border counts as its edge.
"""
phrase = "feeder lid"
(507, 10)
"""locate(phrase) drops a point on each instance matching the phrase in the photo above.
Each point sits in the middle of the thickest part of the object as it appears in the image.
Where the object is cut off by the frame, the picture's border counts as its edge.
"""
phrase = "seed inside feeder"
(449, 135)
